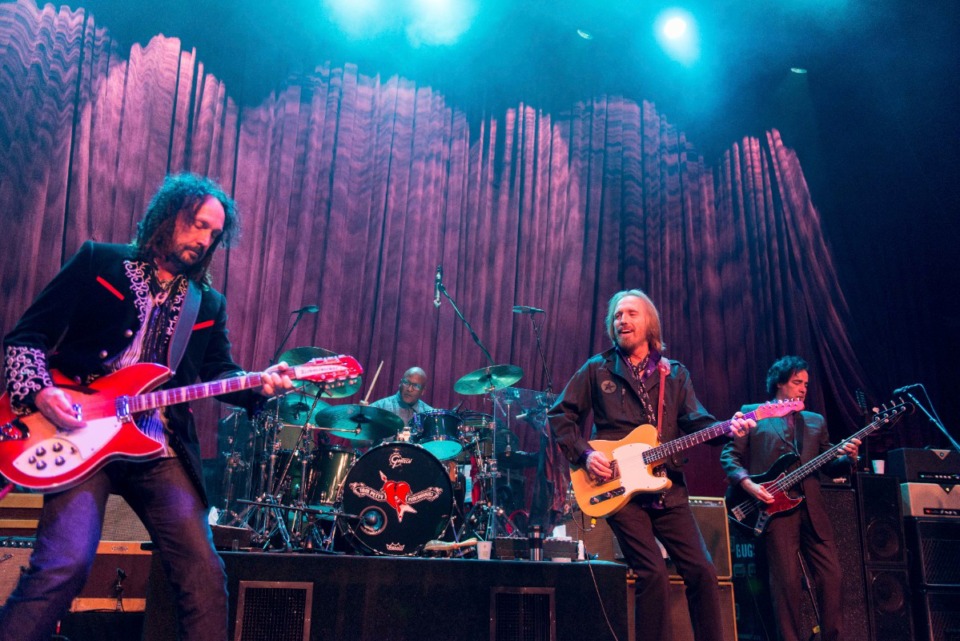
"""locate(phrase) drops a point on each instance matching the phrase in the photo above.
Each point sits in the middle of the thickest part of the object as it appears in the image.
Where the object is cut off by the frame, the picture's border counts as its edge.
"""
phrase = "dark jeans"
(637, 529)
(163, 496)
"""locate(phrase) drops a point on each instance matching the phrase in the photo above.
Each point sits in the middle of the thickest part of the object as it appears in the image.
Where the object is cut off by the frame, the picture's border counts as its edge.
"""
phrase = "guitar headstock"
(886, 414)
(338, 370)
(776, 409)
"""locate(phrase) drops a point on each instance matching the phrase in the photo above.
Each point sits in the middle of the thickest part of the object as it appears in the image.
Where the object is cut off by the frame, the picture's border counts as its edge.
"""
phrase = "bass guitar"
(636, 457)
(753, 514)
(35, 454)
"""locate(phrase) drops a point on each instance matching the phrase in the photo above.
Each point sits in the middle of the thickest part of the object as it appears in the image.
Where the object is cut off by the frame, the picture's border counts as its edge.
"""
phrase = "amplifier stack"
(930, 500)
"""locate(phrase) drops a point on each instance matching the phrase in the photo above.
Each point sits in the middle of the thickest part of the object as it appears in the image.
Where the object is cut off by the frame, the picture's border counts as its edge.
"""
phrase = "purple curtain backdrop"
(353, 188)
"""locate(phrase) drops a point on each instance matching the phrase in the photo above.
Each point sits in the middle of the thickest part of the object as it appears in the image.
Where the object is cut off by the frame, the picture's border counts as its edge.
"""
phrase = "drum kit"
(308, 475)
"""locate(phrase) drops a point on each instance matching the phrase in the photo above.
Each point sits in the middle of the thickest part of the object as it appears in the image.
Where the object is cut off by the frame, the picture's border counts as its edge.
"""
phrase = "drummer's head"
(412, 384)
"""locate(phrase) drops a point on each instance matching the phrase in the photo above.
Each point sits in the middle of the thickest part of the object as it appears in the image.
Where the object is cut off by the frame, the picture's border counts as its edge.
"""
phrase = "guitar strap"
(664, 366)
(181, 335)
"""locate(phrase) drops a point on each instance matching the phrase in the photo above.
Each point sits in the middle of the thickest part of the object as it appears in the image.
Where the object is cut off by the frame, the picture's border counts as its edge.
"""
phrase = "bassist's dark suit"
(805, 528)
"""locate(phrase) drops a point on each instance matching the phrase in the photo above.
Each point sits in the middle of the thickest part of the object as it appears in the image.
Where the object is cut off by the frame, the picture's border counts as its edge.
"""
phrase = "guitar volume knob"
(41, 451)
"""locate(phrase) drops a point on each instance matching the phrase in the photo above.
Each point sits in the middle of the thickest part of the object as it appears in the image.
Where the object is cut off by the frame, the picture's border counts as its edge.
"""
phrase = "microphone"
(309, 309)
(901, 390)
(436, 286)
(523, 309)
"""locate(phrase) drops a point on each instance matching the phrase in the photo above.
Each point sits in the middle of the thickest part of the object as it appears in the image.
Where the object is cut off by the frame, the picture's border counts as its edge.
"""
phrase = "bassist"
(805, 528)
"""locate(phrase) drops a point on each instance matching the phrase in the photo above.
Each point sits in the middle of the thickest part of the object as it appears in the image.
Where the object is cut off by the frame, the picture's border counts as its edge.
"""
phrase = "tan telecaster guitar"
(636, 457)
(36, 455)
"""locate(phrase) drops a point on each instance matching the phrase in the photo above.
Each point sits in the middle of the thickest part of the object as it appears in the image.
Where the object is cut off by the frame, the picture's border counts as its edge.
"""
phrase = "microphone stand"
(286, 337)
(935, 420)
(543, 359)
(473, 334)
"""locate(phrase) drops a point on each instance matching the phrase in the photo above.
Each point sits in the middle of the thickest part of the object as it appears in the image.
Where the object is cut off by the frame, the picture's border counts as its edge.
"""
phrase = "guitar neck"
(661, 452)
(162, 398)
(816, 463)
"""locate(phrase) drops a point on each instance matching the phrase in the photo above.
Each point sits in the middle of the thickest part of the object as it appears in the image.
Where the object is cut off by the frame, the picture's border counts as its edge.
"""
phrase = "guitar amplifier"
(913, 465)
(19, 514)
(930, 500)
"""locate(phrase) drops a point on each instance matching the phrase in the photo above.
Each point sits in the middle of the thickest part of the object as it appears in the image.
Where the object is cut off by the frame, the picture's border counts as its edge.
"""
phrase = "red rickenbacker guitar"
(36, 455)
(754, 514)
(635, 457)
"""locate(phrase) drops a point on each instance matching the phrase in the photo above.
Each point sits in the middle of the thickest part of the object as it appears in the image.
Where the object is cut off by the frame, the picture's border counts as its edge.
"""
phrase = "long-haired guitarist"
(110, 307)
(630, 385)
(803, 526)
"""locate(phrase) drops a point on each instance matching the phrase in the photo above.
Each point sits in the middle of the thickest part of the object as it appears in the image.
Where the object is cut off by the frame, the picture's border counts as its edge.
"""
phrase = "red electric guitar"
(36, 455)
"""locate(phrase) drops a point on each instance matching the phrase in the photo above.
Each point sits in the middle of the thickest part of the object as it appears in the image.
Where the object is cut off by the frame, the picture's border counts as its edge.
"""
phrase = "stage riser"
(384, 599)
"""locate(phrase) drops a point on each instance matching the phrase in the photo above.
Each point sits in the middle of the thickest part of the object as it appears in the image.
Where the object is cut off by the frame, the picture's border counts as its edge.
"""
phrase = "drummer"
(407, 402)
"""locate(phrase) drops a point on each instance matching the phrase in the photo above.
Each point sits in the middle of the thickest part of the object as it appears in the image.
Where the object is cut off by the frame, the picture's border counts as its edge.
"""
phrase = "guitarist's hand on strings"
(276, 379)
(756, 490)
(57, 407)
(599, 466)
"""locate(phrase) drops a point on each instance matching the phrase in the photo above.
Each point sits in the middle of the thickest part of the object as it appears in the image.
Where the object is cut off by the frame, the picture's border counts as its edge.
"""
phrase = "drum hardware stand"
(488, 513)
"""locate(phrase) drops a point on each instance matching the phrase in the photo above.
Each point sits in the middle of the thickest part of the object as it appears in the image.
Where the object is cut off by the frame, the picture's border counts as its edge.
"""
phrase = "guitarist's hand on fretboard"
(276, 379)
(739, 426)
(756, 490)
(850, 448)
(56, 406)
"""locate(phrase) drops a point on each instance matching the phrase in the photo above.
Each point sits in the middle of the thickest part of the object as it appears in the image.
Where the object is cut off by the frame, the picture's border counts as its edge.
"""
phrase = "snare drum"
(395, 499)
(438, 431)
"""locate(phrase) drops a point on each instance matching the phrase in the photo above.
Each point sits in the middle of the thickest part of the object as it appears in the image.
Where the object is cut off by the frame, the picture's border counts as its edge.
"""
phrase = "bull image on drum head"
(395, 499)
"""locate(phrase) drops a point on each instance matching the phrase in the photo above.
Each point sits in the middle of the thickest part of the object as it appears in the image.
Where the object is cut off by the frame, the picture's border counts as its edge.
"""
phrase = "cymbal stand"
(494, 518)
(234, 461)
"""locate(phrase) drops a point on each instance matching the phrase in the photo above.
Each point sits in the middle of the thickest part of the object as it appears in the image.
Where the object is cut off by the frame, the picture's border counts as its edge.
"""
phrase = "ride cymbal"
(359, 422)
(487, 379)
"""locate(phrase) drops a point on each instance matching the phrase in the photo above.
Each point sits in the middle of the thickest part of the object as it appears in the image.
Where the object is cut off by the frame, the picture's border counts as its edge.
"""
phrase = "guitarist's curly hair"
(781, 371)
(186, 193)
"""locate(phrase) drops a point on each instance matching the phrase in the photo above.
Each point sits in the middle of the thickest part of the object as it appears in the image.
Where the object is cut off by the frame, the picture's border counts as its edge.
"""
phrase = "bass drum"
(395, 499)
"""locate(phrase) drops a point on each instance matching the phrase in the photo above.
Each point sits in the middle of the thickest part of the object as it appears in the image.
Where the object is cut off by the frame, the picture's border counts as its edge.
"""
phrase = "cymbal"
(294, 408)
(359, 422)
(301, 355)
(487, 379)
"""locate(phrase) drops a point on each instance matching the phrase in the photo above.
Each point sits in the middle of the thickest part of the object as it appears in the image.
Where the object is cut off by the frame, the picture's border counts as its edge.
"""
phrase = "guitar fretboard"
(162, 398)
(815, 464)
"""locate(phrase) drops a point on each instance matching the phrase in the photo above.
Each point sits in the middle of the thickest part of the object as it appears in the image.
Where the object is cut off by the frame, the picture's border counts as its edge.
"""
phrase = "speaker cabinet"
(711, 516)
(940, 614)
(270, 610)
(523, 614)
(935, 544)
(881, 523)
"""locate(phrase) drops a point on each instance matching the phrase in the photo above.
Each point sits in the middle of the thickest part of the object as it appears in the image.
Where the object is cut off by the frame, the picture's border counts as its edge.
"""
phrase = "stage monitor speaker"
(270, 610)
(523, 614)
(680, 612)
(935, 546)
(911, 465)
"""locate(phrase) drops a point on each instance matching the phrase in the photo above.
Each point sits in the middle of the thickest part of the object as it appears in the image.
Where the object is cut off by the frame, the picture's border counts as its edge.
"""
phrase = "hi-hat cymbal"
(359, 422)
(301, 355)
(489, 378)
(295, 408)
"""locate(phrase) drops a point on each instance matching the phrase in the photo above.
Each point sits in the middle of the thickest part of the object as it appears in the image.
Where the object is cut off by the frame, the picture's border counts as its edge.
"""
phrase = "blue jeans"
(68, 533)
